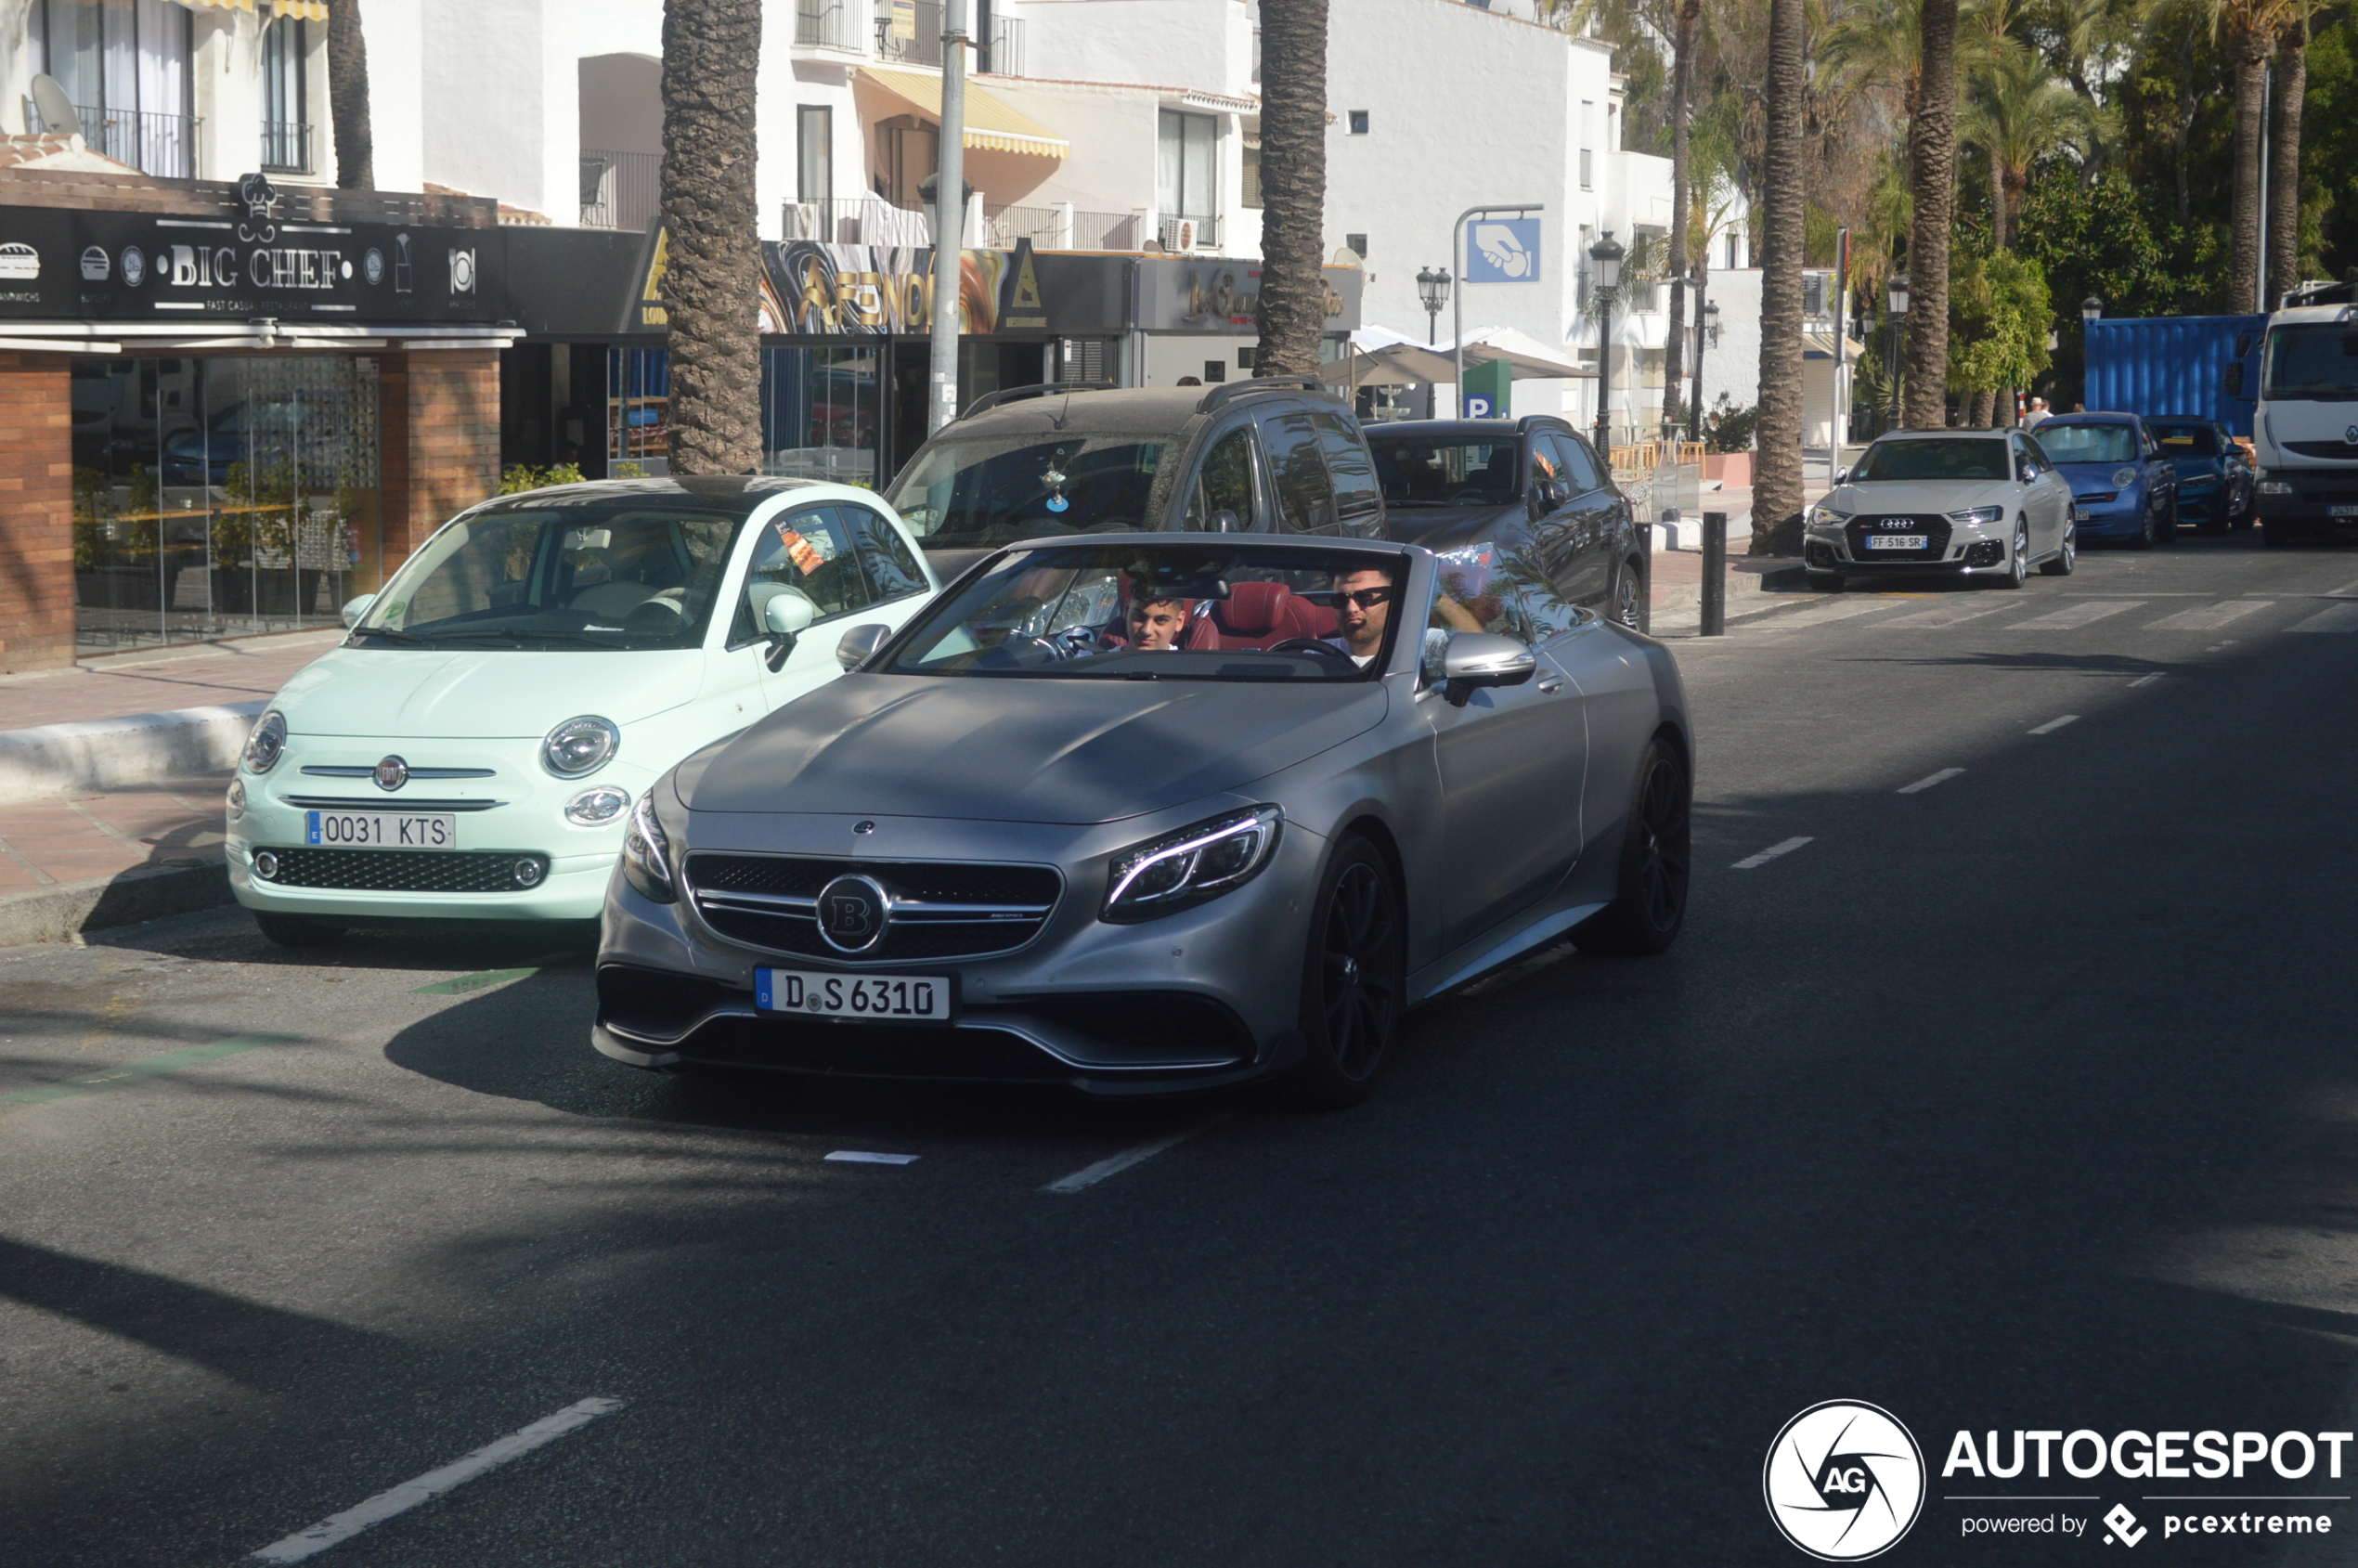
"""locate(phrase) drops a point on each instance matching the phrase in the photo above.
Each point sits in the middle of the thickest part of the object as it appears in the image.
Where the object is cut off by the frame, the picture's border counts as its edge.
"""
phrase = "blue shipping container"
(2172, 365)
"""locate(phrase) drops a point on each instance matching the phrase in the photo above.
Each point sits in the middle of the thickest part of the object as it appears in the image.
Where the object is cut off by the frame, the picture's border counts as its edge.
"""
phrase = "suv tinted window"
(1355, 477)
(1225, 482)
(1579, 460)
(1305, 498)
(892, 568)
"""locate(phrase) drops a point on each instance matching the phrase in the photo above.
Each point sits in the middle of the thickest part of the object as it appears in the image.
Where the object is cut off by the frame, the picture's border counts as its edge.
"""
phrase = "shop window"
(823, 412)
(125, 64)
(1184, 166)
(638, 412)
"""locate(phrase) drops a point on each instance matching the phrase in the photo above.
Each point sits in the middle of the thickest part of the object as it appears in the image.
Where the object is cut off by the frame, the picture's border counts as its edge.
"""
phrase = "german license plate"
(1895, 541)
(2341, 512)
(381, 830)
(872, 998)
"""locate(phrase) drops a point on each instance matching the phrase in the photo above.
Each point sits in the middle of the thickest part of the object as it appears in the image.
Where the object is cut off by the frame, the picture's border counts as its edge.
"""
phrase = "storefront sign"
(856, 291)
(1223, 298)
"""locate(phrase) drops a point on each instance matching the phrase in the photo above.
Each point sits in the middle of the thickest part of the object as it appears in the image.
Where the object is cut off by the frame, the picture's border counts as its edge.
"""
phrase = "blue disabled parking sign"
(1503, 251)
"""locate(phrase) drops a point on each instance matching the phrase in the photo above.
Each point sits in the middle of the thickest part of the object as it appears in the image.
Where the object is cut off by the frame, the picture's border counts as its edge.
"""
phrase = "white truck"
(2305, 428)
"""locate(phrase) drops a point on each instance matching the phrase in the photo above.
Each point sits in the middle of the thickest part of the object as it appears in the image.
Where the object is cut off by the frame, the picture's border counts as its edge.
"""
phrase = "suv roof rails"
(1221, 397)
(1017, 393)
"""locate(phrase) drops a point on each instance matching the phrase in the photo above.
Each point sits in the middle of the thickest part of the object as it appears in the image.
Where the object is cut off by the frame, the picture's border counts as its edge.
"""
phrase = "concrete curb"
(61, 910)
(139, 749)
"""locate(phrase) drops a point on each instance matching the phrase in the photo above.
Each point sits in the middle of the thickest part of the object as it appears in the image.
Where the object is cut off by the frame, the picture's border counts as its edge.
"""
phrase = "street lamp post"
(1432, 288)
(1606, 253)
(1706, 334)
(1896, 313)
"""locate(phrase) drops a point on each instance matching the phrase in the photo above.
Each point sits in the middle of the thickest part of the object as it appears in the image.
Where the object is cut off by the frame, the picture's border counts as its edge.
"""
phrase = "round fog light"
(596, 807)
(528, 872)
(266, 864)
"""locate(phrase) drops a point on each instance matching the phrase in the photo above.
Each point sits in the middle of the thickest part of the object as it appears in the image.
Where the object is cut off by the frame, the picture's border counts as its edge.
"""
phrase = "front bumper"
(1955, 549)
(2325, 502)
(1204, 996)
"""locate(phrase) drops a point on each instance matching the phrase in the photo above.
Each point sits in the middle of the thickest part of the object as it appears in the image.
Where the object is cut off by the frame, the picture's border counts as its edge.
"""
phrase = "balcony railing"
(831, 24)
(872, 221)
(1001, 55)
(162, 145)
(620, 190)
(286, 147)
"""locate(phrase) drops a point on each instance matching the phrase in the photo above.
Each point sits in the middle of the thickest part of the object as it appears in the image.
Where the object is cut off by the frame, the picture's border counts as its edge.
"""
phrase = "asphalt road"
(2024, 1100)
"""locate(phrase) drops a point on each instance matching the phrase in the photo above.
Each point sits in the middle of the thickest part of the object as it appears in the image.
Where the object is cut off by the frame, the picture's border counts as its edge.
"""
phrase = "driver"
(1156, 624)
(1363, 608)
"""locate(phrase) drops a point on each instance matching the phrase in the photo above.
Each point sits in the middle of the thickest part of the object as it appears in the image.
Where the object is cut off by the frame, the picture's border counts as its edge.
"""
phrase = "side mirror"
(356, 608)
(1555, 492)
(785, 617)
(860, 642)
(1226, 522)
(1842, 476)
(2232, 380)
(1484, 659)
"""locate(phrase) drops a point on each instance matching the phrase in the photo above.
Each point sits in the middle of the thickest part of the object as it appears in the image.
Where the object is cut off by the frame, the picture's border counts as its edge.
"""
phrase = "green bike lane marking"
(133, 1072)
(465, 983)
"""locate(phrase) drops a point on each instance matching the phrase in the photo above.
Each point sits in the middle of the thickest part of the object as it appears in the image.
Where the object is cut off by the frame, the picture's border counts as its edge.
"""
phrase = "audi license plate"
(872, 998)
(381, 830)
(2341, 512)
(1896, 541)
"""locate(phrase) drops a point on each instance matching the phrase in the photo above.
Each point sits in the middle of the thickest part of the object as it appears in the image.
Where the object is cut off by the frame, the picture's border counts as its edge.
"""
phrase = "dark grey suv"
(1275, 455)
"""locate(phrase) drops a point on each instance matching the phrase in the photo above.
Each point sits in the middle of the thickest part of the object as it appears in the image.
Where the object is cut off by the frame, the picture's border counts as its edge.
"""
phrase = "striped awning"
(991, 125)
(303, 10)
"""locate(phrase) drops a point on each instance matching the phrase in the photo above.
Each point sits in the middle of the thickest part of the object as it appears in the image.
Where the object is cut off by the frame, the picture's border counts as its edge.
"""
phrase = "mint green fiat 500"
(474, 749)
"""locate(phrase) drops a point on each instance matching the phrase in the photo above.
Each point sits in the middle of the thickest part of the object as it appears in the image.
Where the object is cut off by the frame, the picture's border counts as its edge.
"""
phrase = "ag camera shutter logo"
(1845, 1480)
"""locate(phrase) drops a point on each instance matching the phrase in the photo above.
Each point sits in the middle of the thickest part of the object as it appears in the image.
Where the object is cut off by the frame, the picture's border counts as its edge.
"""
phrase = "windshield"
(549, 572)
(2318, 361)
(1980, 458)
(2088, 443)
(1158, 611)
(990, 492)
(2187, 440)
(1442, 471)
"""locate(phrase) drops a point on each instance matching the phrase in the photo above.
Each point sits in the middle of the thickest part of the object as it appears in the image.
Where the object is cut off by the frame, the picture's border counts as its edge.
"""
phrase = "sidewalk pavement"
(87, 860)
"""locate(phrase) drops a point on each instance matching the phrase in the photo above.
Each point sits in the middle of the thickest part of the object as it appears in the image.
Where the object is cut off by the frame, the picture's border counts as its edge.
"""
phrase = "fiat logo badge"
(391, 773)
(853, 912)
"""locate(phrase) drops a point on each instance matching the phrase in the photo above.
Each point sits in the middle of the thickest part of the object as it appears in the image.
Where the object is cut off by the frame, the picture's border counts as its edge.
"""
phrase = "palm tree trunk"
(1293, 186)
(348, 98)
(1931, 178)
(2249, 55)
(1674, 354)
(1776, 485)
(1996, 200)
(1979, 416)
(2284, 177)
(711, 55)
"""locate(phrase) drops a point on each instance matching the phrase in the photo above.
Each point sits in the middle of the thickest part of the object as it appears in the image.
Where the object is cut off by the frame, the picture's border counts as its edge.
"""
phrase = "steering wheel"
(1306, 645)
(1470, 498)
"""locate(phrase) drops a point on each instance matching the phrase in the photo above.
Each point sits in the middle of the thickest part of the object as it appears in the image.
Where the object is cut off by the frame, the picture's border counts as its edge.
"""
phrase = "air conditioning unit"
(1178, 234)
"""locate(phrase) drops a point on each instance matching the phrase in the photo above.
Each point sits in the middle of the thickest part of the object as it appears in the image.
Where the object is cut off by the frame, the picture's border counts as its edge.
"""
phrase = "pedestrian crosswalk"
(2337, 617)
(2072, 617)
(2012, 613)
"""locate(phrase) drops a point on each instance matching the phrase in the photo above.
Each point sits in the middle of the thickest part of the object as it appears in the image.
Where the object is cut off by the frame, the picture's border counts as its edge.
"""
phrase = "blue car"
(2123, 486)
(2216, 483)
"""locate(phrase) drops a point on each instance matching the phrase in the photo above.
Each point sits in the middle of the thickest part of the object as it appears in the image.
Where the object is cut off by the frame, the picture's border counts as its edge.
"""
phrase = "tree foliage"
(1999, 314)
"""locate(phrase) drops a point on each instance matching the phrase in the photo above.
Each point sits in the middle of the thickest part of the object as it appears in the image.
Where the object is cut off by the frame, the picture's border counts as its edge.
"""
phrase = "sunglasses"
(1368, 598)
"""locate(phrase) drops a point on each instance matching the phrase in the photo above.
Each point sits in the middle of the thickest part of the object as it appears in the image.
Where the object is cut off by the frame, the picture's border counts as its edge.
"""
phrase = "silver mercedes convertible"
(1155, 812)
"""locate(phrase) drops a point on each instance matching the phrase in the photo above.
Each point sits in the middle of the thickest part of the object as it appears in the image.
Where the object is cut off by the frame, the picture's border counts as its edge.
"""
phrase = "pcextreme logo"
(1845, 1480)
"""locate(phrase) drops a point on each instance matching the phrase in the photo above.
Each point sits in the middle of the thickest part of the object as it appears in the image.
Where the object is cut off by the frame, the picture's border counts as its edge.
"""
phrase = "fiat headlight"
(580, 746)
(2123, 478)
(646, 854)
(1979, 514)
(1187, 867)
(266, 742)
(597, 807)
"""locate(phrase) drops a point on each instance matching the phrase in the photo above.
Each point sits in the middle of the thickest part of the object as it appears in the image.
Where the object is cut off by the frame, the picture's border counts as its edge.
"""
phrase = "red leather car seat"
(1260, 615)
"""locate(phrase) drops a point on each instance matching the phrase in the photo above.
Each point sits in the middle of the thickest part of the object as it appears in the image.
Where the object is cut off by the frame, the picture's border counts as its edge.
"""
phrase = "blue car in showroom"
(2217, 485)
(2124, 486)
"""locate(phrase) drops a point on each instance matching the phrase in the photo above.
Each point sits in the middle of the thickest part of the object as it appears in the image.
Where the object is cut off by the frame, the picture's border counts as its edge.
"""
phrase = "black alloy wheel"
(1630, 597)
(1657, 860)
(1353, 978)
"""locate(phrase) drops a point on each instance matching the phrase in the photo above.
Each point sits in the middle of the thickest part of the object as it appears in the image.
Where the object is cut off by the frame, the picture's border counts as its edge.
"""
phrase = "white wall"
(1201, 43)
(1733, 365)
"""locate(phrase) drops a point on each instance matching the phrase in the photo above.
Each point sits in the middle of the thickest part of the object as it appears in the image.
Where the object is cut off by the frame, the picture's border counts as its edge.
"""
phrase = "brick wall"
(36, 512)
(440, 423)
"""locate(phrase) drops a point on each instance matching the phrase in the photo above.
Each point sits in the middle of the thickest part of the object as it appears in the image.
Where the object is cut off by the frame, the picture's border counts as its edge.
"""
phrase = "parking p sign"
(1503, 251)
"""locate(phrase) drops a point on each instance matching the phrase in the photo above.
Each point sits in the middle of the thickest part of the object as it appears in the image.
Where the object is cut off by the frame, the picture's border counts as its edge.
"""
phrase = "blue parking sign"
(1502, 251)
(1477, 406)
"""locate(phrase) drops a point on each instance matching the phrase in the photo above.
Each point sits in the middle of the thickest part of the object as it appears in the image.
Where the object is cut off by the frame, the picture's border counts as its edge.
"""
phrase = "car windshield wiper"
(407, 639)
(519, 634)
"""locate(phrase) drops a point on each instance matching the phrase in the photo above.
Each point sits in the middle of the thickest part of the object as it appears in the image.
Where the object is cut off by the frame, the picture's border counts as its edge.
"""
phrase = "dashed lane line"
(1929, 779)
(2208, 617)
(2075, 615)
(433, 1484)
(133, 1072)
(2051, 725)
(2347, 590)
(2144, 681)
(2333, 618)
(1751, 862)
(1114, 1164)
(1819, 615)
(1942, 615)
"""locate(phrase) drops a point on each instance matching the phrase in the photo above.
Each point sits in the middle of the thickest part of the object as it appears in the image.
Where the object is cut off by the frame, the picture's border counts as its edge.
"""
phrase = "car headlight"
(2123, 478)
(1827, 517)
(1187, 867)
(236, 801)
(2277, 487)
(646, 854)
(266, 742)
(1979, 514)
(596, 807)
(580, 746)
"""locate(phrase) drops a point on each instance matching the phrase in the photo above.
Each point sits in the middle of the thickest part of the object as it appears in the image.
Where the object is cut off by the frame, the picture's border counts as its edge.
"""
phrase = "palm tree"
(348, 97)
(2284, 178)
(1776, 486)
(1682, 64)
(2019, 112)
(1932, 174)
(2251, 27)
(1293, 186)
(712, 290)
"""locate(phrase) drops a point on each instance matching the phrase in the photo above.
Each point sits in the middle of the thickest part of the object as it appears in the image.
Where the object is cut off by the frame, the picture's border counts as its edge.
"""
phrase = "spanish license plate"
(2079, 514)
(381, 830)
(1896, 541)
(2341, 512)
(872, 998)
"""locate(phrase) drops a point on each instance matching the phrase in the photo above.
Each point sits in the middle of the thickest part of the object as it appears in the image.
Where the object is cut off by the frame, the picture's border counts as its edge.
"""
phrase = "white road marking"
(863, 1157)
(2051, 725)
(1113, 1164)
(1751, 862)
(2144, 681)
(2208, 617)
(1928, 781)
(2336, 618)
(1945, 615)
(2073, 615)
(1819, 615)
(433, 1484)
(2347, 590)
